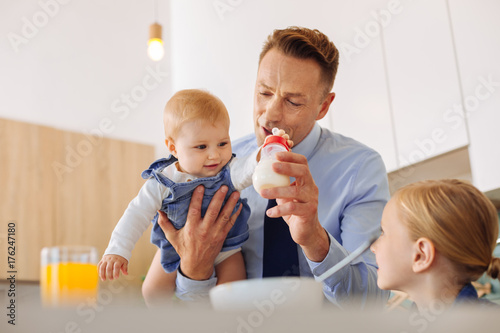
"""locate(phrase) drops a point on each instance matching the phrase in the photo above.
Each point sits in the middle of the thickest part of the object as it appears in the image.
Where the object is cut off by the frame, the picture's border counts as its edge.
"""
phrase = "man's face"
(288, 95)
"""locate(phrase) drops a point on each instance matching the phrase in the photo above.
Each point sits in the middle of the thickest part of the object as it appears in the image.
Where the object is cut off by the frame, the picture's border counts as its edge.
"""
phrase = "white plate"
(266, 295)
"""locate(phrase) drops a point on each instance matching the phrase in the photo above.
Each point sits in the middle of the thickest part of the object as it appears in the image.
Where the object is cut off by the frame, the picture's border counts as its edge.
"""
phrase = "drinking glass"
(68, 275)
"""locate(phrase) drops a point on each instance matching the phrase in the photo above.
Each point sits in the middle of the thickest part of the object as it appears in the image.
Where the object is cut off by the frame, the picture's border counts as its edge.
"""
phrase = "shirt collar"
(306, 146)
(466, 293)
(177, 176)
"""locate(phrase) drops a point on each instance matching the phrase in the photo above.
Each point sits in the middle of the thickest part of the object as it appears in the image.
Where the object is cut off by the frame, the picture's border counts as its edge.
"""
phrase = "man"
(333, 206)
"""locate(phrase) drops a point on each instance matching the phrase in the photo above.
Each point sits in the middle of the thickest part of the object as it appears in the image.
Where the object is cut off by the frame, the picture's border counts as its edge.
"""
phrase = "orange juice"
(67, 282)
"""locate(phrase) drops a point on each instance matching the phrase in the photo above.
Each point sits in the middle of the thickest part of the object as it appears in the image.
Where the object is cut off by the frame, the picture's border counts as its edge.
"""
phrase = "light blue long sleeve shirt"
(353, 191)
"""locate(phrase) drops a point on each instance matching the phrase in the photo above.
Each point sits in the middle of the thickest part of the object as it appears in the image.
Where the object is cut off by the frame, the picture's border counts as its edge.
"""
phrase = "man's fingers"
(291, 169)
(291, 207)
(165, 224)
(293, 191)
(293, 165)
(232, 219)
(291, 157)
(194, 212)
(214, 208)
(227, 210)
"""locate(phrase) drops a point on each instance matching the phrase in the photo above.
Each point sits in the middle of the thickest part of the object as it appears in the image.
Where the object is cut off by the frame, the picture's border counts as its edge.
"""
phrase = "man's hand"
(110, 266)
(298, 205)
(200, 240)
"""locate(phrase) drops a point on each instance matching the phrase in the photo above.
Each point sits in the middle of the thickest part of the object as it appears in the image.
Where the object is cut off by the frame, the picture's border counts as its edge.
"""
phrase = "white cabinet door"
(476, 28)
(423, 81)
(361, 108)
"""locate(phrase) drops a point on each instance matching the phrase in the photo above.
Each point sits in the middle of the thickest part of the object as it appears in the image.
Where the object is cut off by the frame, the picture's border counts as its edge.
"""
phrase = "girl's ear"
(171, 147)
(424, 254)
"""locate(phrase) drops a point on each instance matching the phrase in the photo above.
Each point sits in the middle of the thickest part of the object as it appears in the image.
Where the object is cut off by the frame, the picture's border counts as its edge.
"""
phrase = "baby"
(197, 137)
(437, 237)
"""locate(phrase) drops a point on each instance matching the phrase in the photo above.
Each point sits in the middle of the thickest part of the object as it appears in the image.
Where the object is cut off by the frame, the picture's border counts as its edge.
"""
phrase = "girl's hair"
(192, 104)
(461, 222)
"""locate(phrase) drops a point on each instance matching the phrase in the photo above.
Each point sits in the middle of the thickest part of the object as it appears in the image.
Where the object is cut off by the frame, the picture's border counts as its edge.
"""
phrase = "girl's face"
(201, 148)
(393, 251)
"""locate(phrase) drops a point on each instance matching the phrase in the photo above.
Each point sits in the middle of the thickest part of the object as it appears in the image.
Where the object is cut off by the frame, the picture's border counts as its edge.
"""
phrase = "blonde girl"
(437, 237)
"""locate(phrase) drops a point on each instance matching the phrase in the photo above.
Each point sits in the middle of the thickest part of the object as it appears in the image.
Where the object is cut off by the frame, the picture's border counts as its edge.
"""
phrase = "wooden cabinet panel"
(27, 192)
(67, 188)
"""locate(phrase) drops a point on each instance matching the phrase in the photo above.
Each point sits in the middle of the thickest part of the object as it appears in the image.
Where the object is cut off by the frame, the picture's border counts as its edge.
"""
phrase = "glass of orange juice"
(68, 275)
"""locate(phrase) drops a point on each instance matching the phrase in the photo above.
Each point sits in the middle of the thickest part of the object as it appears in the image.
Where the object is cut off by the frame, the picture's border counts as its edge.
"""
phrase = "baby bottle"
(264, 175)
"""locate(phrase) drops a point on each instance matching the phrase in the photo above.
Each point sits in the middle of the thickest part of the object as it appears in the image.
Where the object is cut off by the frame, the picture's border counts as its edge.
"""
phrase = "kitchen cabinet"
(423, 82)
(398, 87)
(66, 188)
(476, 26)
(361, 108)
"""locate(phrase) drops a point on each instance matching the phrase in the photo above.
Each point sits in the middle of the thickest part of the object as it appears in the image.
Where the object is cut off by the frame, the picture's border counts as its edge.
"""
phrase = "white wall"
(72, 64)
(403, 83)
(216, 45)
(77, 67)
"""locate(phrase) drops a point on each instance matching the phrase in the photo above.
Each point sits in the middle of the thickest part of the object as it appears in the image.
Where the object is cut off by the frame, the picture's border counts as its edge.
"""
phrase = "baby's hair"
(460, 220)
(192, 104)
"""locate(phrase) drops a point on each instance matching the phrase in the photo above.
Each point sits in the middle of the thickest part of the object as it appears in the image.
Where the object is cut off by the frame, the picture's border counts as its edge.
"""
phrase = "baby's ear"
(171, 147)
(424, 254)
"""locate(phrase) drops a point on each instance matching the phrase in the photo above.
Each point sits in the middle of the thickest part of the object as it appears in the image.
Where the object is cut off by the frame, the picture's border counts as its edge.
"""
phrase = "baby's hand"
(280, 132)
(110, 266)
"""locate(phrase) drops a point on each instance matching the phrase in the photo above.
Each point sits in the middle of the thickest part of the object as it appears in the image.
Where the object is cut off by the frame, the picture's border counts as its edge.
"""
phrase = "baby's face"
(202, 148)
(393, 251)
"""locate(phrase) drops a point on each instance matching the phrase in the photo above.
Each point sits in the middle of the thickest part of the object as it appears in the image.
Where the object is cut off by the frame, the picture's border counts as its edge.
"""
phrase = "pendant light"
(156, 50)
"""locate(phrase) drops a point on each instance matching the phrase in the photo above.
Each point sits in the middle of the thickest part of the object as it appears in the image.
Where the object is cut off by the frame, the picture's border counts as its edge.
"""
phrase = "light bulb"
(155, 44)
(155, 49)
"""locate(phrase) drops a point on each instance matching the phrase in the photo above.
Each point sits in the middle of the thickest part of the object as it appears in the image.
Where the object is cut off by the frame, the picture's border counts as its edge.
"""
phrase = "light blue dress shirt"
(353, 191)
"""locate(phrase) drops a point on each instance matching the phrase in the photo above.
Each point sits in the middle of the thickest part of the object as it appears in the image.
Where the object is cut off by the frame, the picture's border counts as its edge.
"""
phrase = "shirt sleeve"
(357, 281)
(136, 219)
(193, 290)
(242, 169)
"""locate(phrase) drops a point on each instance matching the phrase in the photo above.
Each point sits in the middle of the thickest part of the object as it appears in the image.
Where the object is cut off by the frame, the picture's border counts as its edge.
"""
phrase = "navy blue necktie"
(280, 251)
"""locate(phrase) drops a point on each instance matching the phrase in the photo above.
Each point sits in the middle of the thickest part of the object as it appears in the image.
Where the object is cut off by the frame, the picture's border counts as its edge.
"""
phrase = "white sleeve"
(242, 170)
(136, 219)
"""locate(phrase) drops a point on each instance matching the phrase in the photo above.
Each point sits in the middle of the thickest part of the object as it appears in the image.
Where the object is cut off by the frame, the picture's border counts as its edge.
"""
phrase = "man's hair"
(461, 222)
(303, 43)
(192, 104)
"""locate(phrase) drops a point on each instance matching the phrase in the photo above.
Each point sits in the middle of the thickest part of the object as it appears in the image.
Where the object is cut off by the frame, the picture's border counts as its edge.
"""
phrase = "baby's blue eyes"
(201, 147)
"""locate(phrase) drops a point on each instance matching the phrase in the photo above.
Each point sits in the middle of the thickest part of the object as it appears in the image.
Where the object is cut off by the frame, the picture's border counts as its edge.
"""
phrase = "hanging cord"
(155, 4)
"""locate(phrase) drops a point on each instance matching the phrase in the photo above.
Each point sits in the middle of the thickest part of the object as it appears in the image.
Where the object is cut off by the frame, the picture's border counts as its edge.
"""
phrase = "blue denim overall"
(176, 205)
